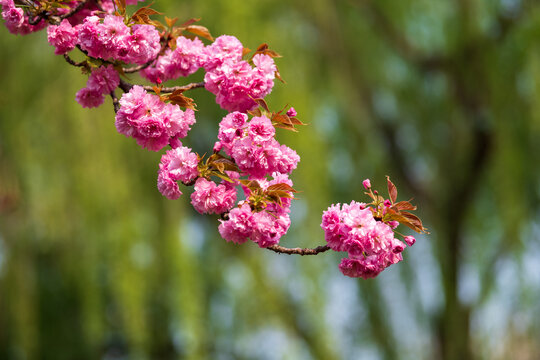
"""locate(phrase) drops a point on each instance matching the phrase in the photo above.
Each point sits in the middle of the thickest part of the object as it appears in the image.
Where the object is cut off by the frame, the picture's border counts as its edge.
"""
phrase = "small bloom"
(63, 37)
(367, 184)
(103, 79)
(409, 240)
(291, 112)
(209, 198)
(89, 98)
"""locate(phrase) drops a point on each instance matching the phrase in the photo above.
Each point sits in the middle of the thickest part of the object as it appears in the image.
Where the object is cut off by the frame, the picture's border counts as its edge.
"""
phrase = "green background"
(442, 95)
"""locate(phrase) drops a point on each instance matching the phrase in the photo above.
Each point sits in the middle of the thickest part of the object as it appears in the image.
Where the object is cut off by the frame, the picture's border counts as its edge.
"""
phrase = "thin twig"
(298, 251)
(175, 88)
(115, 102)
(73, 62)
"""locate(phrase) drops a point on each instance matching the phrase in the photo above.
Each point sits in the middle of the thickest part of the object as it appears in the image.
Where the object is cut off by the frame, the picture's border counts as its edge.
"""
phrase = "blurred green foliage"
(440, 95)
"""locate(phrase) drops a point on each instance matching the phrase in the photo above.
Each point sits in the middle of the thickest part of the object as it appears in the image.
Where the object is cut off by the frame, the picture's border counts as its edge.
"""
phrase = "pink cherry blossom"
(103, 79)
(209, 198)
(63, 37)
(89, 98)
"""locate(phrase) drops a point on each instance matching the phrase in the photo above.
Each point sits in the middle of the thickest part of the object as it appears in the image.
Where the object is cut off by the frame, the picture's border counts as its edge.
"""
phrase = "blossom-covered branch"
(246, 158)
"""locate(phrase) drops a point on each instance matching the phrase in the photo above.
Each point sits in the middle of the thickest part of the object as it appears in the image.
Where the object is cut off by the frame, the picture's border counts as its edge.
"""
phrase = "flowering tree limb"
(247, 155)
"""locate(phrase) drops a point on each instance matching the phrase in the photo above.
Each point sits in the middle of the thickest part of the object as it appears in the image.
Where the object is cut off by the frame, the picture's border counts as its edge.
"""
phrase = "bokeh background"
(443, 96)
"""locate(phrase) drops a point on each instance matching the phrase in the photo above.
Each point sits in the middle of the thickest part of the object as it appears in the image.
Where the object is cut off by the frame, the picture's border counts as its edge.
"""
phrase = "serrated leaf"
(392, 190)
(200, 30)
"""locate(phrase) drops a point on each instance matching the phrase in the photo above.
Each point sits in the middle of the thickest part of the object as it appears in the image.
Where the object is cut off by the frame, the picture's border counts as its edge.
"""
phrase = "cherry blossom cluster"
(366, 233)
(153, 123)
(246, 178)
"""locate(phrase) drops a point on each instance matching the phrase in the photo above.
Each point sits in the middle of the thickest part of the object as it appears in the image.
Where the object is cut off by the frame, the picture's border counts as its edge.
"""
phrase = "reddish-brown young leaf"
(404, 205)
(189, 22)
(170, 22)
(295, 121)
(157, 90)
(278, 76)
(392, 190)
(262, 104)
(282, 118)
(181, 100)
(121, 6)
(414, 222)
(262, 47)
(256, 112)
(200, 30)
(146, 11)
(286, 127)
(245, 51)
(281, 186)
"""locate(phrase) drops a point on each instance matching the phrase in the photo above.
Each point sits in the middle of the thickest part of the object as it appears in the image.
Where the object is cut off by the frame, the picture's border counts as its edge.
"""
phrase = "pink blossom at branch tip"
(291, 112)
(89, 98)
(238, 227)
(180, 164)
(409, 240)
(209, 198)
(370, 243)
(103, 79)
(269, 228)
(367, 184)
(63, 37)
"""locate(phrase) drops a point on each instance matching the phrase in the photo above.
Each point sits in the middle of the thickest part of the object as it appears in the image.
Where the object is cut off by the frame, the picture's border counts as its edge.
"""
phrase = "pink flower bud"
(291, 112)
(409, 240)
(367, 184)
(387, 203)
(393, 224)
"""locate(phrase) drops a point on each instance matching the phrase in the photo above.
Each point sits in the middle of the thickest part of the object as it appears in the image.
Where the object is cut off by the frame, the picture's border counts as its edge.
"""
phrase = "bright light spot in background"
(192, 234)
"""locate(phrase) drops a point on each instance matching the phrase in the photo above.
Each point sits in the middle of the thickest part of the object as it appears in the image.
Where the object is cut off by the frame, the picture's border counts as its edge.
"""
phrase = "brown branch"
(167, 90)
(54, 19)
(73, 62)
(298, 251)
(139, 68)
(115, 102)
